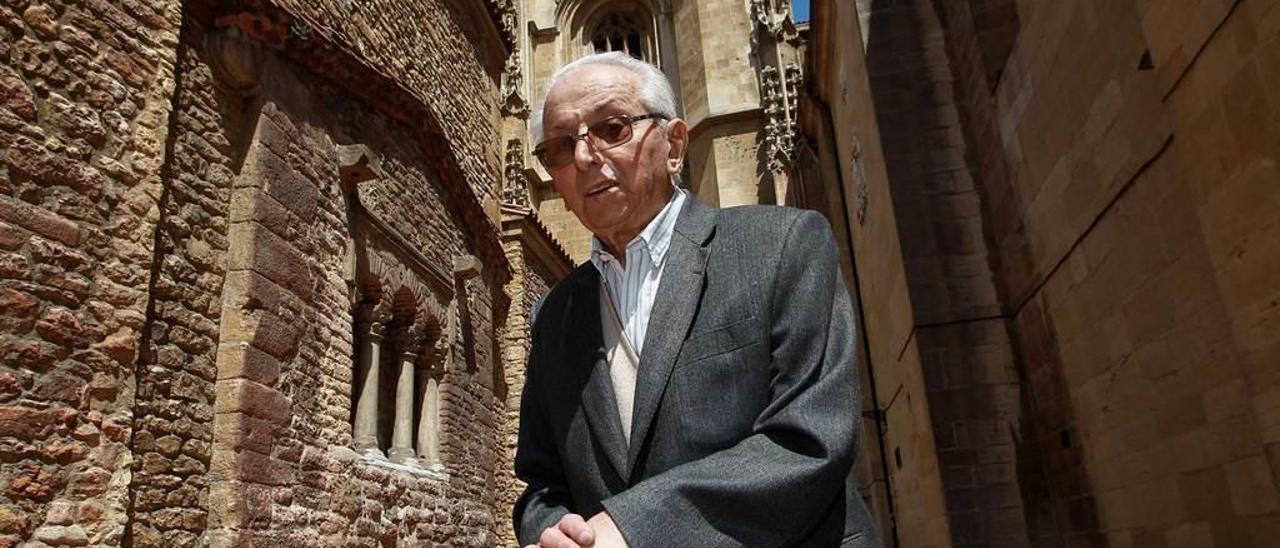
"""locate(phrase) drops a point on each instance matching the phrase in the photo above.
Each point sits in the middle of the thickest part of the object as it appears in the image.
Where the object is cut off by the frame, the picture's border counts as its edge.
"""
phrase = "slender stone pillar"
(365, 430)
(429, 425)
(402, 433)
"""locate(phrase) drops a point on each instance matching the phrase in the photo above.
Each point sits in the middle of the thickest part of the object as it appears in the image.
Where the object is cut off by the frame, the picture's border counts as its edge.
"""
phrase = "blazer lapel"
(673, 310)
(598, 402)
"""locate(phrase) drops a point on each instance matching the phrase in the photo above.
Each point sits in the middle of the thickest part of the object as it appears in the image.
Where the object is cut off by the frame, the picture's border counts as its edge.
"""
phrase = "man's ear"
(678, 139)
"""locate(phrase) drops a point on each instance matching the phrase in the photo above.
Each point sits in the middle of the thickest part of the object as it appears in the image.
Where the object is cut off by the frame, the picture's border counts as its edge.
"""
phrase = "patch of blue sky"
(800, 11)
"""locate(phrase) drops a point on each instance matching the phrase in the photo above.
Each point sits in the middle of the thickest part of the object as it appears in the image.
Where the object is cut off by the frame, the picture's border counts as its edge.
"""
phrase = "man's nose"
(585, 155)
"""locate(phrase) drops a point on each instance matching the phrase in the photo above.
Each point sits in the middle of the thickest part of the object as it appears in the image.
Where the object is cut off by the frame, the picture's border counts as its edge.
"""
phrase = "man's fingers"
(553, 537)
(576, 528)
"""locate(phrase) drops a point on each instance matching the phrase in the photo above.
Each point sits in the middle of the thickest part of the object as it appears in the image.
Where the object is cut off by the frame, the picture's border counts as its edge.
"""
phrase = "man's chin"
(603, 221)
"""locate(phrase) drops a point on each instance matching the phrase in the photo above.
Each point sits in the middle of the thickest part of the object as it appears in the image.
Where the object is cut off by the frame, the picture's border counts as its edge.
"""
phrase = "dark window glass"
(619, 33)
(633, 45)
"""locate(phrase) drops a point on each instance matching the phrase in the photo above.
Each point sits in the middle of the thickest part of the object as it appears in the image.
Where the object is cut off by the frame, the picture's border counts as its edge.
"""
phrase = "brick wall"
(176, 293)
(283, 469)
(85, 100)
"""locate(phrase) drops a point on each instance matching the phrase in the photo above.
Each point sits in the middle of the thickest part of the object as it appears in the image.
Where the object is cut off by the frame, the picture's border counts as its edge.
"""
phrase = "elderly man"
(694, 383)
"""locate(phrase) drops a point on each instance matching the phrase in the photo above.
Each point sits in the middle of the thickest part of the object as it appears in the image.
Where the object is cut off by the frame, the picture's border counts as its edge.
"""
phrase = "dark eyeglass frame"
(597, 143)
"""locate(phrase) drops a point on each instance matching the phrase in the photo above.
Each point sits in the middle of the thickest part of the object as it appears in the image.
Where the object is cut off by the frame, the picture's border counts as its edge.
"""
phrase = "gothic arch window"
(620, 32)
(596, 26)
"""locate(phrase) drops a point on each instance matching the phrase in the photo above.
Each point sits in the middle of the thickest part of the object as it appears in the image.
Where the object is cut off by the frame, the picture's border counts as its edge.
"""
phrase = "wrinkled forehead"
(589, 94)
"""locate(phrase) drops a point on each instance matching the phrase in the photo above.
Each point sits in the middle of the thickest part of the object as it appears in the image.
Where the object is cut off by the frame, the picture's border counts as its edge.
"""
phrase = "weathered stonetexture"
(174, 405)
(180, 226)
(443, 64)
(1070, 252)
(85, 92)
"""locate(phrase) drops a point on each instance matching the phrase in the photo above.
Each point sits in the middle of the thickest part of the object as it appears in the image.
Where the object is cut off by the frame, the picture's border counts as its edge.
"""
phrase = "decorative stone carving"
(394, 290)
(780, 125)
(771, 21)
(516, 189)
(513, 101)
(794, 79)
(780, 84)
(765, 16)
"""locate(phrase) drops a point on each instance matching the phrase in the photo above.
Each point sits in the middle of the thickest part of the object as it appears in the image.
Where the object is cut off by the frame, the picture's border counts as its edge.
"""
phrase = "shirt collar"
(654, 239)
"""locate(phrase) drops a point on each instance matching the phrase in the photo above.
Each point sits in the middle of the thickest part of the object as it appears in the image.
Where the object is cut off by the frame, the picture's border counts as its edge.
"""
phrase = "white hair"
(655, 90)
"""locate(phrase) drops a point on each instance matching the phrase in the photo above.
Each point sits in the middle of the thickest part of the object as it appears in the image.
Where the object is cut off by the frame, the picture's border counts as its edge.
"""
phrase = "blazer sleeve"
(773, 487)
(546, 497)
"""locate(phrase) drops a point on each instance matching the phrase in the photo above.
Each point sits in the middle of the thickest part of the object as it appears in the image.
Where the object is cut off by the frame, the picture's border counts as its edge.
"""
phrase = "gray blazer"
(746, 406)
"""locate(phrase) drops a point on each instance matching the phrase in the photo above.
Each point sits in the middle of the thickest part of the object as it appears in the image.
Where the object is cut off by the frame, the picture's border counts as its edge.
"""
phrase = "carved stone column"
(402, 431)
(429, 422)
(429, 425)
(365, 430)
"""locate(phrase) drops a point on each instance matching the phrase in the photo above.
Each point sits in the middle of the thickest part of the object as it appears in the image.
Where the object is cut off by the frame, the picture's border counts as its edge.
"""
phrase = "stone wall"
(964, 350)
(915, 513)
(1139, 262)
(1076, 264)
(173, 408)
(85, 102)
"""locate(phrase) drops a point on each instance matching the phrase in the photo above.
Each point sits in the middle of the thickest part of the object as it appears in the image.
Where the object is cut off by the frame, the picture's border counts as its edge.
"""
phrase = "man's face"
(614, 192)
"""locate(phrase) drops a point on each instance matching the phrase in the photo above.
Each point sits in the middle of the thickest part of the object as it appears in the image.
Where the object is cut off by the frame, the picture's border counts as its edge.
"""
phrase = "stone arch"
(404, 306)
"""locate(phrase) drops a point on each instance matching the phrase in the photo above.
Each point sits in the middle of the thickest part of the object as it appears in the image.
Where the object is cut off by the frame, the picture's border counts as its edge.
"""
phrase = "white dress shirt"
(633, 288)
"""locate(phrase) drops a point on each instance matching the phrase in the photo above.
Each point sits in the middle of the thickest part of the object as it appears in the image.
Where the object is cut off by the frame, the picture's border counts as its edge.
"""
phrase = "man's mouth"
(601, 188)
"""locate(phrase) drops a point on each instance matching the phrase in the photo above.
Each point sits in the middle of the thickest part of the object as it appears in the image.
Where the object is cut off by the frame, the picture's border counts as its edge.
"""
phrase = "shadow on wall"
(911, 78)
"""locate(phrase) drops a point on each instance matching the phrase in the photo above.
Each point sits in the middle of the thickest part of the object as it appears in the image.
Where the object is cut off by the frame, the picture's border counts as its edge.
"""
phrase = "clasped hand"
(574, 532)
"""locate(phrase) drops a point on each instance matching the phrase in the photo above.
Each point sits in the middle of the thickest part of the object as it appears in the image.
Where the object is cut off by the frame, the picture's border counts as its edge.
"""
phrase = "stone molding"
(523, 225)
(701, 125)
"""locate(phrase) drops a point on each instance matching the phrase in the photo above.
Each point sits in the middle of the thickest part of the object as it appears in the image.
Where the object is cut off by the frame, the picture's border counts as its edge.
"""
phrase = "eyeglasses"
(605, 134)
